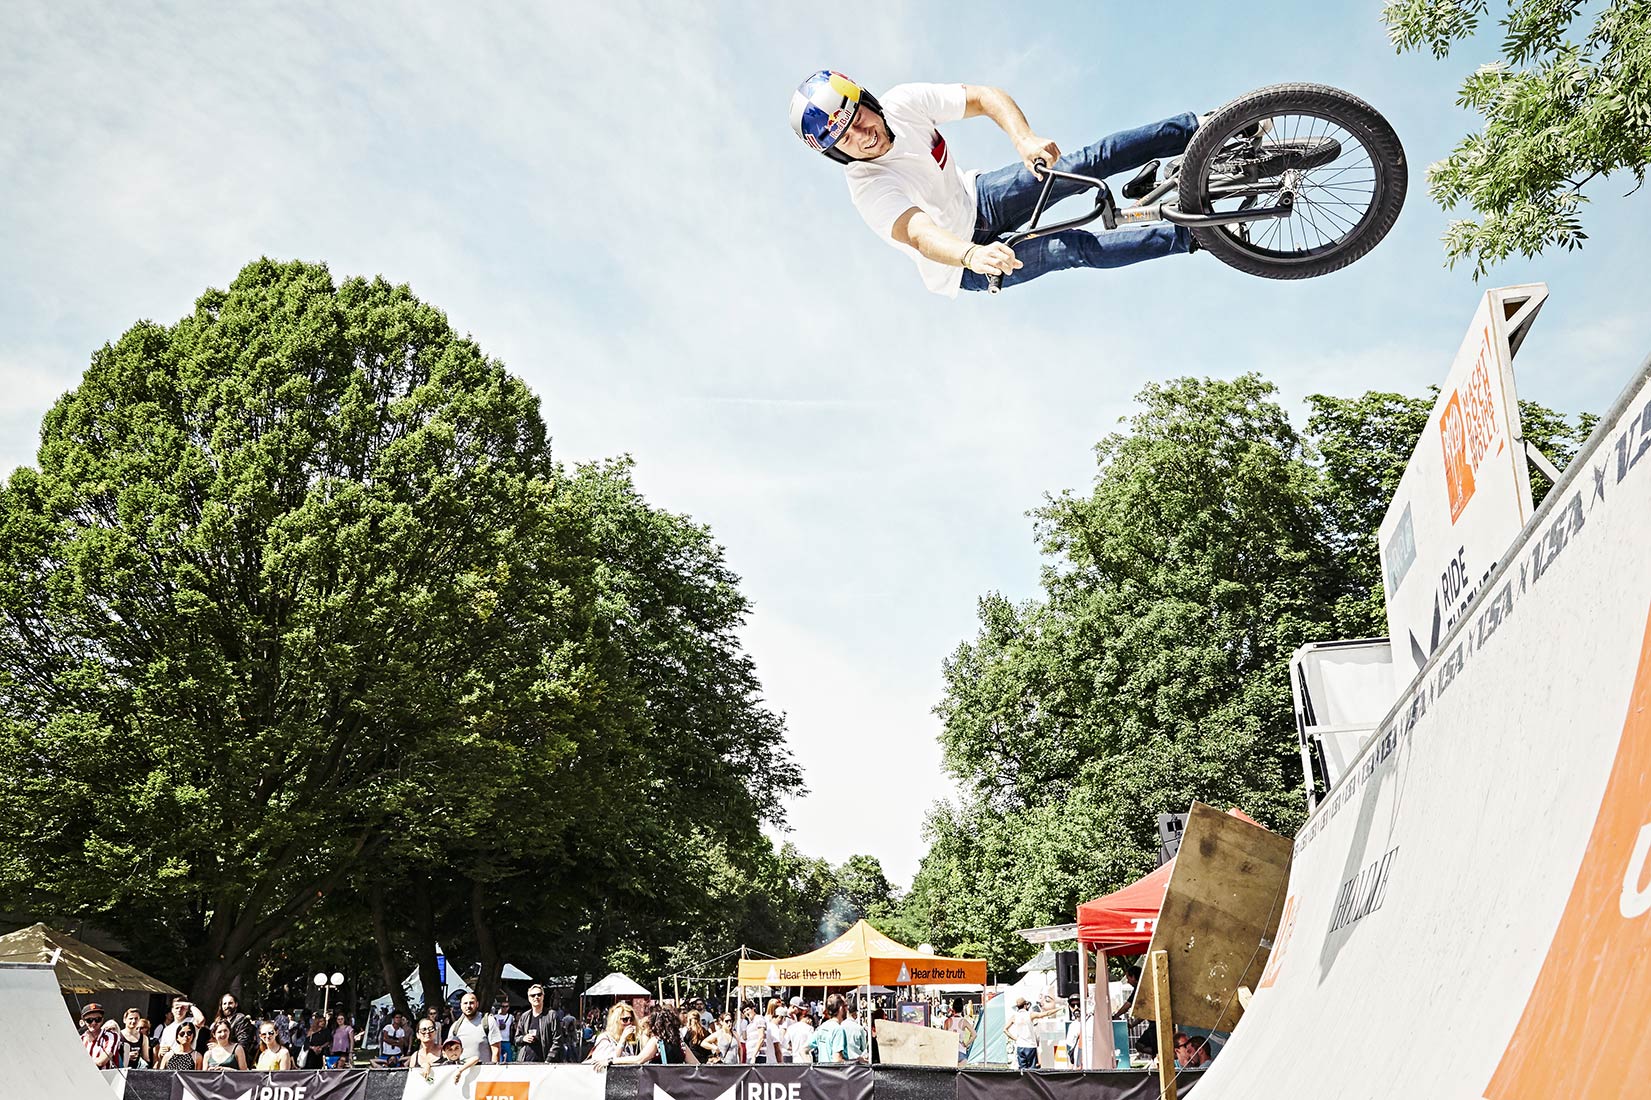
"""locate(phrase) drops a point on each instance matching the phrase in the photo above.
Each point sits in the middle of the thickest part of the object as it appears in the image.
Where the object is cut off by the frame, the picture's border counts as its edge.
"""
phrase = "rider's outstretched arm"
(918, 230)
(997, 105)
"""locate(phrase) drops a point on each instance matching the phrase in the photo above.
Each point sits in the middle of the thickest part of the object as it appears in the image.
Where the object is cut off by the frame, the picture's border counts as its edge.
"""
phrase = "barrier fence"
(524, 1081)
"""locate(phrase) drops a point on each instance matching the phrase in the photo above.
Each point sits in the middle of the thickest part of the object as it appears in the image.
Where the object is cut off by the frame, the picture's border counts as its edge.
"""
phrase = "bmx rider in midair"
(912, 194)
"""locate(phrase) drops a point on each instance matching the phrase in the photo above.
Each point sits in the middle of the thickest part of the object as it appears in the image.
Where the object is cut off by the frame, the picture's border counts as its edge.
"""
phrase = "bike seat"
(1145, 180)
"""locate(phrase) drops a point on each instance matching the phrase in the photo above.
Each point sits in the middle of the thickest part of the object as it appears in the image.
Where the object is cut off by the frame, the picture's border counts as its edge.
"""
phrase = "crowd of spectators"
(775, 1032)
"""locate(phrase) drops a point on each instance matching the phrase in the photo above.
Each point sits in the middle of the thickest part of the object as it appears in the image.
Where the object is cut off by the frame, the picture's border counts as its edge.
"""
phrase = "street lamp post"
(327, 985)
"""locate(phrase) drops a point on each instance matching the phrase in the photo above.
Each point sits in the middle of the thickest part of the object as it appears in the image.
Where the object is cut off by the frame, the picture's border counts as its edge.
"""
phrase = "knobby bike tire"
(1319, 100)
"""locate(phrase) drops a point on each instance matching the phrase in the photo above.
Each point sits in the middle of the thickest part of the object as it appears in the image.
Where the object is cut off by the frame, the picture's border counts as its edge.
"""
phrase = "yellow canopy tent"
(859, 957)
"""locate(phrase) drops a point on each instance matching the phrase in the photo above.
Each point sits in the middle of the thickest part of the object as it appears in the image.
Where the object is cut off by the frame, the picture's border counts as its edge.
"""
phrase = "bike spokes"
(1333, 177)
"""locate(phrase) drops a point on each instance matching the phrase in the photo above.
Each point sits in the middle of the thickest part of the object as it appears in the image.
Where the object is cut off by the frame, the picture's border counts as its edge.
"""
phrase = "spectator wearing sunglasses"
(722, 1044)
(272, 1053)
(102, 1044)
(180, 1053)
(618, 1039)
(1189, 1055)
(427, 1055)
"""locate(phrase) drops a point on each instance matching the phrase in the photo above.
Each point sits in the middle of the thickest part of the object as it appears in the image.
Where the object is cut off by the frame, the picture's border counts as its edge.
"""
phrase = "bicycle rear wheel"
(1347, 163)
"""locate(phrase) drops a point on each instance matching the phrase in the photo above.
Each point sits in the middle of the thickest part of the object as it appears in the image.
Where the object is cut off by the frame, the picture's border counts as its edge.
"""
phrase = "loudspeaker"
(1066, 974)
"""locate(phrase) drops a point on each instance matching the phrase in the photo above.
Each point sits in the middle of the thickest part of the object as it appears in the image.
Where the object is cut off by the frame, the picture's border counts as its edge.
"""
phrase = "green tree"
(297, 601)
(1153, 669)
(1562, 106)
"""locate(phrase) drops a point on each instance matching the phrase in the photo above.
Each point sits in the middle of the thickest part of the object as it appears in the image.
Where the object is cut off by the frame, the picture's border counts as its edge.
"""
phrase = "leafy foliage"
(1153, 670)
(1558, 113)
(297, 601)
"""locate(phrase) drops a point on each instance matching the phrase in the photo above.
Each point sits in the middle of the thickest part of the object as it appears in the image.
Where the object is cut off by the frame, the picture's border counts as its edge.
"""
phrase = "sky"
(608, 198)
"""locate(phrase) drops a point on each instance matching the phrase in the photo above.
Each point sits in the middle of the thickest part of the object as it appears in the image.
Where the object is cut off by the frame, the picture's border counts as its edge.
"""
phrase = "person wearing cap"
(102, 1043)
(1022, 1035)
(799, 1038)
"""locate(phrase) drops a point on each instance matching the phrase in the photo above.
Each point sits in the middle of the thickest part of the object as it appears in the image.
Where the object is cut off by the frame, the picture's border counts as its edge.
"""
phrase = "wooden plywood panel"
(915, 1045)
(1219, 917)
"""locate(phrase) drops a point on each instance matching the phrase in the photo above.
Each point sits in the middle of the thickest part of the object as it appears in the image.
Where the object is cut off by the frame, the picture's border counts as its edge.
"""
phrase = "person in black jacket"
(538, 1030)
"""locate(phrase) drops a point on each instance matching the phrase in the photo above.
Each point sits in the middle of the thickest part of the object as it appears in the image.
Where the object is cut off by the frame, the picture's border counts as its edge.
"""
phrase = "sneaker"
(1253, 132)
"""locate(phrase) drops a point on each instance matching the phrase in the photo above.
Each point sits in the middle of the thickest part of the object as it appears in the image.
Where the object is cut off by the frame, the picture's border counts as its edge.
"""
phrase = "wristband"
(967, 252)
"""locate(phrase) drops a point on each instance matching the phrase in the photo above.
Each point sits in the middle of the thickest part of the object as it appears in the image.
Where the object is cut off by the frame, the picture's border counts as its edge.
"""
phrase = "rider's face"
(867, 137)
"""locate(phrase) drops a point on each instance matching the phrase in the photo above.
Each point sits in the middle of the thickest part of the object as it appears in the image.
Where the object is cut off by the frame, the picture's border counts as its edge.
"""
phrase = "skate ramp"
(1469, 911)
(40, 1053)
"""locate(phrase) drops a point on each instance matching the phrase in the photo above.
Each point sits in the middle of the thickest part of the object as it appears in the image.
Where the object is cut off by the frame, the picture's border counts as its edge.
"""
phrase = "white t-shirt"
(756, 1038)
(918, 171)
(1020, 1028)
(477, 1035)
(798, 1036)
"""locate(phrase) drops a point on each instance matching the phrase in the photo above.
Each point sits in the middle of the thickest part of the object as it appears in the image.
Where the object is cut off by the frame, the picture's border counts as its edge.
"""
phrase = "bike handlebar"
(1105, 209)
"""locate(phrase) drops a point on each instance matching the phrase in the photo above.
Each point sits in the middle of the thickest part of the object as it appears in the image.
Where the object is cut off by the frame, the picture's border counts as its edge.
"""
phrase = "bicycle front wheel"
(1341, 157)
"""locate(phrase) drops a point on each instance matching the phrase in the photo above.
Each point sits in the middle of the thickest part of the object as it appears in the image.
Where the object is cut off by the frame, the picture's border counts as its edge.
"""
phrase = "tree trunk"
(386, 957)
(210, 983)
(487, 983)
(425, 926)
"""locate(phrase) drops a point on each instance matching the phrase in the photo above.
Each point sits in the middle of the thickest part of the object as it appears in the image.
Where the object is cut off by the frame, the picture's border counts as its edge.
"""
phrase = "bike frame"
(1149, 208)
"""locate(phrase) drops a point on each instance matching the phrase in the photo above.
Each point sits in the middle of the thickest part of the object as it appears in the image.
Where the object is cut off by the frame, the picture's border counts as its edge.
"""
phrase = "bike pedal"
(1143, 183)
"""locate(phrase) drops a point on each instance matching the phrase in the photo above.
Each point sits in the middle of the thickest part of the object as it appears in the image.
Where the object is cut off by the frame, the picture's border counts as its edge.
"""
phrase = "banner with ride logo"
(299, 1084)
(745, 1082)
(508, 1081)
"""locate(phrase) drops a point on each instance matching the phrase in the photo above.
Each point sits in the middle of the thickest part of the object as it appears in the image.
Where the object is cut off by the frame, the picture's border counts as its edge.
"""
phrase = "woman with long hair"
(272, 1053)
(659, 1041)
(722, 1044)
(693, 1031)
(223, 1052)
(618, 1039)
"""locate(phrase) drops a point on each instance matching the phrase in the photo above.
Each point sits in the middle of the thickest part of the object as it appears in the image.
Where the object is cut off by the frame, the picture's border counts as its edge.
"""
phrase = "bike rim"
(1332, 201)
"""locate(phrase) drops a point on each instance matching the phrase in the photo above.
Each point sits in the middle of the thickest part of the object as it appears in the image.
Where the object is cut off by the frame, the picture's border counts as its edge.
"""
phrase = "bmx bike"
(1288, 182)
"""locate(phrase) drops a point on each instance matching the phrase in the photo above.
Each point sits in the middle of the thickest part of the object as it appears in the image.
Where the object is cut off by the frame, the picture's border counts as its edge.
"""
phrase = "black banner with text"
(763, 1082)
(298, 1084)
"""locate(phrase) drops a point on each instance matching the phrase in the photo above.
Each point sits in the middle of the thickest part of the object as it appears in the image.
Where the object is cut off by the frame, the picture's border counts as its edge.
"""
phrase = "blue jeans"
(1004, 200)
(1026, 1057)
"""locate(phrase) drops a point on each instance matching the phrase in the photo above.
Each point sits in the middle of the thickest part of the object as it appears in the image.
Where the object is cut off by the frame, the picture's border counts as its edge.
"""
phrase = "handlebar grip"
(994, 283)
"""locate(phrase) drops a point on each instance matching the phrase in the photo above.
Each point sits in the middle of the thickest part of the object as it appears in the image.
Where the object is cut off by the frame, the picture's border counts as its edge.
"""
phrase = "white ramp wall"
(40, 1053)
(1469, 912)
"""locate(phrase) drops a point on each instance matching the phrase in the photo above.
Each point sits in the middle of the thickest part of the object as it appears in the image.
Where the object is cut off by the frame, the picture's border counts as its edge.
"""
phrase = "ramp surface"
(40, 1052)
(1469, 911)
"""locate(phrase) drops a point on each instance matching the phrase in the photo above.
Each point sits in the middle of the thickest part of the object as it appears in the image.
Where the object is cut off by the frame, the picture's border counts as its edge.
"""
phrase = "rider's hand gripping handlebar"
(1105, 209)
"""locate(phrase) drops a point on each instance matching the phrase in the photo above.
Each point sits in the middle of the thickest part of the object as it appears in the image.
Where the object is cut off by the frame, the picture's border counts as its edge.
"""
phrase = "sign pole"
(1166, 1025)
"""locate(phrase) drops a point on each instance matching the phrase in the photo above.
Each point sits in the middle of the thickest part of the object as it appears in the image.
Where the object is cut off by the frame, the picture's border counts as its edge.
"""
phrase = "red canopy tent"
(1121, 922)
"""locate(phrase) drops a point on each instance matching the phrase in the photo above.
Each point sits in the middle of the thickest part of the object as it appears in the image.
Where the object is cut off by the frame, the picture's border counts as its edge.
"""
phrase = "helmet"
(822, 109)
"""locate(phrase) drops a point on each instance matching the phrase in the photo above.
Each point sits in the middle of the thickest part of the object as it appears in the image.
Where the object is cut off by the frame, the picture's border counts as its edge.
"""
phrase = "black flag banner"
(762, 1082)
(298, 1084)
